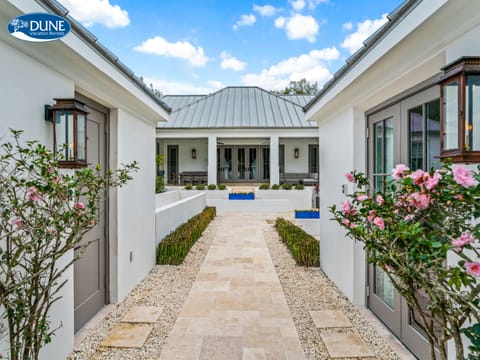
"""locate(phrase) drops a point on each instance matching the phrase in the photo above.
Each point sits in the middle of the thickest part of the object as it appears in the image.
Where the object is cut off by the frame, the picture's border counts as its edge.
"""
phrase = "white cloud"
(312, 4)
(177, 88)
(266, 10)
(245, 20)
(231, 62)
(347, 26)
(308, 66)
(301, 27)
(90, 12)
(354, 41)
(297, 4)
(280, 22)
(180, 49)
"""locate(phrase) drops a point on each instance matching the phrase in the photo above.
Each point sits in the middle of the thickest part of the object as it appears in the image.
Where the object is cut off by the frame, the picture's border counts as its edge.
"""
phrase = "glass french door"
(172, 164)
(408, 133)
(225, 164)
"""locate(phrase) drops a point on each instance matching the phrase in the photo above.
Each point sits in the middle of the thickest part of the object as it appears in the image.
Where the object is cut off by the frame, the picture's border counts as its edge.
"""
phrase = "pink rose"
(92, 222)
(379, 222)
(389, 268)
(347, 208)
(409, 217)
(371, 215)
(79, 205)
(399, 171)
(362, 197)
(473, 268)
(18, 223)
(58, 179)
(464, 239)
(463, 177)
(33, 194)
(349, 177)
(379, 199)
(432, 181)
(419, 200)
(353, 226)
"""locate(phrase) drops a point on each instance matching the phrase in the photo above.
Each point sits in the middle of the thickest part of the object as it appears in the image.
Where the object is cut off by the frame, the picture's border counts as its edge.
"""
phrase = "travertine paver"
(236, 308)
(344, 345)
(330, 319)
(127, 335)
(142, 314)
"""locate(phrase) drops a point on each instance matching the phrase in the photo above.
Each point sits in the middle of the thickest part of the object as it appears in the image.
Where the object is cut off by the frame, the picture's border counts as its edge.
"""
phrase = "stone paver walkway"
(236, 308)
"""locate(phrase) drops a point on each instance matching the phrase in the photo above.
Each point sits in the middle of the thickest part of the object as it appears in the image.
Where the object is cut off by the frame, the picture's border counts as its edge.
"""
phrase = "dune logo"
(38, 27)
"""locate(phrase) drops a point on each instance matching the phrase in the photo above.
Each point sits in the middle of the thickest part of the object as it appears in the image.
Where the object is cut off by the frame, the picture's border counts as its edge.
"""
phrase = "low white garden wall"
(168, 217)
(297, 199)
(310, 226)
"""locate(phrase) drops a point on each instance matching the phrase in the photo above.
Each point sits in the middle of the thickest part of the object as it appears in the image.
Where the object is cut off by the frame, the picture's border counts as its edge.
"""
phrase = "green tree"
(301, 87)
(44, 213)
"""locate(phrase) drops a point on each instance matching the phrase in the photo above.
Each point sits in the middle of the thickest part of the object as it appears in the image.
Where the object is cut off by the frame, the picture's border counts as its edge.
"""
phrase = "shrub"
(159, 185)
(173, 249)
(304, 248)
(299, 187)
(188, 187)
(287, 186)
(200, 187)
(275, 187)
(264, 186)
(212, 187)
(222, 187)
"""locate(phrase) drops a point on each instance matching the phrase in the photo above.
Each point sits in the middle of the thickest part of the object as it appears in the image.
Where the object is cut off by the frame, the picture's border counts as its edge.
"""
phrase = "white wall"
(27, 86)
(169, 217)
(299, 165)
(336, 158)
(136, 202)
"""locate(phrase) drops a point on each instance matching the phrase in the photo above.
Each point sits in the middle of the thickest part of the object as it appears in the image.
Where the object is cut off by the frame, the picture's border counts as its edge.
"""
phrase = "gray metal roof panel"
(237, 107)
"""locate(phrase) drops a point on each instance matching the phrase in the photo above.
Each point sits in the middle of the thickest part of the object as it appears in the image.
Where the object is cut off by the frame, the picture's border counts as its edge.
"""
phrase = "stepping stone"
(143, 314)
(127, 335)
(330, 319)
(345, 345)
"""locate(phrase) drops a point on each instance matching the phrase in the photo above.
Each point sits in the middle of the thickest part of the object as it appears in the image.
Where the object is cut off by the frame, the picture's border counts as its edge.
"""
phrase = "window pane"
(253, 163)
(450, 98)
(432, 110)
(81, 137)
(312, 159)
(415, 137)
(383, 286)
(70, 129)
(241, 163)
(61, 134)
(378, 151)
(472, 106)
(388, 145)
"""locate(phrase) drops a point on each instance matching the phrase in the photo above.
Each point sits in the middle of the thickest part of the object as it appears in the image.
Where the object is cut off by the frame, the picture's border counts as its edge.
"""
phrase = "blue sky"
(188, 46)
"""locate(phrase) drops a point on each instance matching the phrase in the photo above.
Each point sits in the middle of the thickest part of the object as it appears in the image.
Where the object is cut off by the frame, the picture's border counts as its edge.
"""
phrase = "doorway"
(242, 164)
(406, 132)
(172, 164)
(90, 270)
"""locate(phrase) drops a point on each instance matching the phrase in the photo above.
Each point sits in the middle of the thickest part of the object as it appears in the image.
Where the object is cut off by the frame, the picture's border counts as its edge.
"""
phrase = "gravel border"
(309, 289)
(166, 286)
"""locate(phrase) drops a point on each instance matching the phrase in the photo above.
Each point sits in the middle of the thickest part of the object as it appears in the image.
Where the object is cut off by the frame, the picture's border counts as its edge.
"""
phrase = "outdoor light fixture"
(460, 110)
(69, 117)
(296, 153)
(194, 154)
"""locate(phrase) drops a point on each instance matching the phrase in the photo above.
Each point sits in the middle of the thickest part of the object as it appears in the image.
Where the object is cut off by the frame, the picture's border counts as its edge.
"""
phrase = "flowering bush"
(44, 214)
(409, 229)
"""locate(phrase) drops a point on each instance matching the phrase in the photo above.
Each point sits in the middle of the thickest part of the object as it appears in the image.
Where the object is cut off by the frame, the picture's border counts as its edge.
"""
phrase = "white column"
(212, 159)
(274, 160)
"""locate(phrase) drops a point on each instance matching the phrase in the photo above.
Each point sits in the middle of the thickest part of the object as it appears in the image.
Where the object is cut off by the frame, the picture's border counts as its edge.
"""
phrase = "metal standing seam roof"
(55, 7)
(237, 107)
(392, 19)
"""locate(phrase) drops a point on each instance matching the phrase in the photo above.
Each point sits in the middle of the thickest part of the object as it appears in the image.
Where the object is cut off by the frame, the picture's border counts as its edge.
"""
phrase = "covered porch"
(233, 157)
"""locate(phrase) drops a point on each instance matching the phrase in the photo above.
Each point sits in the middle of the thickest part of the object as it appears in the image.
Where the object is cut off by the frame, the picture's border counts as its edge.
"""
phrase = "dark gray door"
(90, 270)
(172, 164)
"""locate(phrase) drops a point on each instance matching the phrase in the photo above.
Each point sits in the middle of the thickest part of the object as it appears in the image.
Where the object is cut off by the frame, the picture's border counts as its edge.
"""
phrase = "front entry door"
(90, 269)
(172, 164)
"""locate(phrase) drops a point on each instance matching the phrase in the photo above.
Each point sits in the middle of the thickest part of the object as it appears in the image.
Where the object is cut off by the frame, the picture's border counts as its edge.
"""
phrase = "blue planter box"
(307, 214)
(241, 196)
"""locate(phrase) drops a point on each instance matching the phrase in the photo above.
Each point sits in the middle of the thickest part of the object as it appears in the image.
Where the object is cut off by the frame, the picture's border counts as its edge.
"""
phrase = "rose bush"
(409, 230)
(44, 213)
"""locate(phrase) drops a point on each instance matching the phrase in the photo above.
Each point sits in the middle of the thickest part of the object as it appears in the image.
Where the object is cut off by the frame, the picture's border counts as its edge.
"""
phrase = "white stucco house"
(385, 107)
(238, 134)
(121, 121)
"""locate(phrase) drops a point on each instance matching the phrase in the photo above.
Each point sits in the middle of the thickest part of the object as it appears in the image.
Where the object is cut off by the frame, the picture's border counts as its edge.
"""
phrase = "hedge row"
(304, 248)
(173, 249)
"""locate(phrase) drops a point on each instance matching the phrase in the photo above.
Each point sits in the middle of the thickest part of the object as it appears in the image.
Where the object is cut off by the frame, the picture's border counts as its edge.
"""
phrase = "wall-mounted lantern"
(194, 154)
(460, 110)
(296, 153)
(69, 117)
